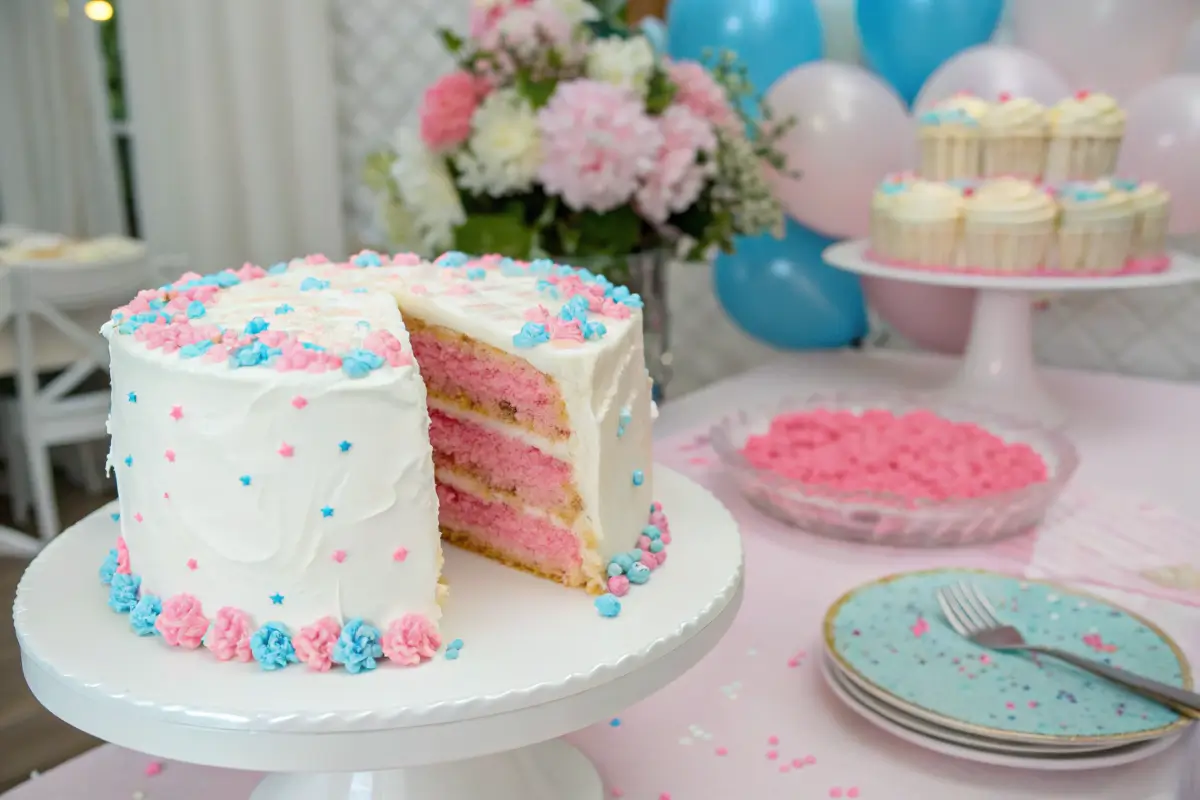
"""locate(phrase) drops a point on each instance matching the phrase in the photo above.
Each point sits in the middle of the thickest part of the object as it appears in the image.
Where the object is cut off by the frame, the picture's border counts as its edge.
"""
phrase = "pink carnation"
(447, 108)
(314, 643)
(697, 91)
(410, 640)
(229, 637)
(122, 557)
(679, 175)
(182, 622)
(597, 144)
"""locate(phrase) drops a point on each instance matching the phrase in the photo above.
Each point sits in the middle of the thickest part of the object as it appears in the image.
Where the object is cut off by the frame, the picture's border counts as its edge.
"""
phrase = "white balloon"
(988, 70)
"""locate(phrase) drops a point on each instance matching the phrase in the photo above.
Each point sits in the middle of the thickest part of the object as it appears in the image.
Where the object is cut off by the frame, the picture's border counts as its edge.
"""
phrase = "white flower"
(577, 12)
(505, 149)
(627, 63)
(427, 191)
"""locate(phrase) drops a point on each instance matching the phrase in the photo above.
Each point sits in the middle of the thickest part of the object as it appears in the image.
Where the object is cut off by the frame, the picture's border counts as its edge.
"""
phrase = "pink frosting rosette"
(182, 622)
(314, 643)
(410, 640)
(229, 638)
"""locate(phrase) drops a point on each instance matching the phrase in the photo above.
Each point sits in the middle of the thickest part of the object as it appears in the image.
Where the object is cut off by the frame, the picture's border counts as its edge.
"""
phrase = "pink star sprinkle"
(1010, 705)
(852, 791)
(286, 450)
(1033, 703)
(665, 796)
(339, 556)
(773, 740)
(772, 755)
(138, 516)
(721, 751)
(191, 564)
(797, 762)
(920, 628)
(176, 413)
(793, 662)
(153, 768)
(299, 402)
(985, 659)
(835, 792)
(170, 456)
(810, 759)
(166, 495)
(617, 792)
(784, 768)
(400, 554)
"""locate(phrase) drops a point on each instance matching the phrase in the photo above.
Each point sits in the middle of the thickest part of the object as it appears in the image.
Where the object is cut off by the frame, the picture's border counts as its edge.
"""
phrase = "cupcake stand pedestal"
(998, 370)
(537, 663)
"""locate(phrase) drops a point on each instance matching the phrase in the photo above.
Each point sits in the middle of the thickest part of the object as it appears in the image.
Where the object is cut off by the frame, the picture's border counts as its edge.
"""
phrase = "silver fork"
(972, 617)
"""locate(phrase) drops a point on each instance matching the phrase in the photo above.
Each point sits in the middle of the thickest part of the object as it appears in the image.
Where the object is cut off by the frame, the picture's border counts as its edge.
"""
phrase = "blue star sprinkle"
(327, 512)
(133, 397)
(284, 309)
(277, 599)
(129, 461)
(245, 479)
(344, 446)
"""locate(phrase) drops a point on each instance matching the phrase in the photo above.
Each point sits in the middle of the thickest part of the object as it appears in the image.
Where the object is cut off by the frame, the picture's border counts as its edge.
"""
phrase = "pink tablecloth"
(706, 736)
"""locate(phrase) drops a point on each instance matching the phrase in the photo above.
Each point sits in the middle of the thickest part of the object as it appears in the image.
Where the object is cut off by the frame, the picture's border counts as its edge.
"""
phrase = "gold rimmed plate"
(889, 638)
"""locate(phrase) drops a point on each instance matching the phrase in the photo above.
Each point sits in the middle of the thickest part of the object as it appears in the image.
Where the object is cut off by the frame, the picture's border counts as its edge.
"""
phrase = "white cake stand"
(537, 662)
(998, 369)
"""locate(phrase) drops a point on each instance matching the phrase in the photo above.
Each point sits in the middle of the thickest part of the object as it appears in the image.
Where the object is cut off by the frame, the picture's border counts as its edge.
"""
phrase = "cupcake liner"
(949, 157)
(882, 235)
(1016, 156)
(1094, 245)
(931, 243)
(1150, 232)
(1081, 158)
(1007, 247)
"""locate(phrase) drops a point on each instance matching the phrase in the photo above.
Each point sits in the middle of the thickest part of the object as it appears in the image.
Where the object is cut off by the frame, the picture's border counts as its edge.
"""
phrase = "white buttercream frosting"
(959, 111)
(928, 201)
(1010, 200)
(1087, 114)
(1017, 116)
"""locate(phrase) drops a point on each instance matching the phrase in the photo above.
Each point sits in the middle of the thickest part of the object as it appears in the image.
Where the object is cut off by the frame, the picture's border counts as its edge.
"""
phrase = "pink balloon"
(936, 318)
(1162, 144)
(850, 130)
(988, 70)
(1113, 46)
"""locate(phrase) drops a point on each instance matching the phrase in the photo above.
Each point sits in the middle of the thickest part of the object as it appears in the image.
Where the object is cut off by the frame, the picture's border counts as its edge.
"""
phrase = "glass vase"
(645, 274)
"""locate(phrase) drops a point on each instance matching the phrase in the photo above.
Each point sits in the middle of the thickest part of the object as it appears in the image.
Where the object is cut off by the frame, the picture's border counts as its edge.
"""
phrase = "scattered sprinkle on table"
(616, 722)
(721, 751)
(154, 768)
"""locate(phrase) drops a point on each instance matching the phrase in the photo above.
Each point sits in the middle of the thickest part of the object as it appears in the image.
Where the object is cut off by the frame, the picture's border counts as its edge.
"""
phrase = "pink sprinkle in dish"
(154, 768)
(917, 456)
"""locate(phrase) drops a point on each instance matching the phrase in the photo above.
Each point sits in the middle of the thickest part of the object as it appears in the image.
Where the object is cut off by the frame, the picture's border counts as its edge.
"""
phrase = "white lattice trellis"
(388, 52)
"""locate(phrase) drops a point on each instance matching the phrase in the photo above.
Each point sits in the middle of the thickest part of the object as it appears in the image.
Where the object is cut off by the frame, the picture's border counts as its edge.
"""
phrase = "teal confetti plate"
(890, 638)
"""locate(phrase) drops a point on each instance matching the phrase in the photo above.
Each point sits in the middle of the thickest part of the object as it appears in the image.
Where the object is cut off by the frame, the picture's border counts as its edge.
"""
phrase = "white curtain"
(234, 123)
(58, 168)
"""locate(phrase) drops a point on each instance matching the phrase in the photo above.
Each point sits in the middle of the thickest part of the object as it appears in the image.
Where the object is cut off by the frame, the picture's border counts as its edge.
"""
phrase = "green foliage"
(537, 92)
(504, 233)
(661, 92)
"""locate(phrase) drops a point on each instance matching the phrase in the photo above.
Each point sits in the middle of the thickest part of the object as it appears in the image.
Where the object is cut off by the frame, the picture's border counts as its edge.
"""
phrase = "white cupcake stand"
(537, 662)
(998, 370)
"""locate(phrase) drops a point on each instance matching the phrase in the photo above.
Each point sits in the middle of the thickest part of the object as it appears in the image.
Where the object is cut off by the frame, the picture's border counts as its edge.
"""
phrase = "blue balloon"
(904, 41)
(770, 37)
(782, 292)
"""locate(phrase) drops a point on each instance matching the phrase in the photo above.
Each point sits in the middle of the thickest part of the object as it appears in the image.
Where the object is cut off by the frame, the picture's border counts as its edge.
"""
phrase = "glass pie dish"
(890, 519)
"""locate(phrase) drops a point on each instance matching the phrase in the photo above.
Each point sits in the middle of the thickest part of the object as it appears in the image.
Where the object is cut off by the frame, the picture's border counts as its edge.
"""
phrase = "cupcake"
(881, 213)
(1085, 135)
(1151, 213)
(926, 220)
(950, 138)
(1096, 228)
(1013, 138)
(1008, 226)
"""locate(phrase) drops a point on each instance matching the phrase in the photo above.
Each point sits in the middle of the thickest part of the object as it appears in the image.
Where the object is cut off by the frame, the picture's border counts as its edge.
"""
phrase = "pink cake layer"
(507, 534)
(1133, 266)
(505, 463)
(457, 368)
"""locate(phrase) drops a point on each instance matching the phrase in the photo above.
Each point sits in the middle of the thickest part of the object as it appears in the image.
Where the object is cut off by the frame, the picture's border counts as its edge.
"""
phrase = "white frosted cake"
(292, 444)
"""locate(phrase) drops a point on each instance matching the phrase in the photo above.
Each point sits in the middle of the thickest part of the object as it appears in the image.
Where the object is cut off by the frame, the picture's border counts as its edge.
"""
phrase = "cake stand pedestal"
(538, 662)
(998, 370)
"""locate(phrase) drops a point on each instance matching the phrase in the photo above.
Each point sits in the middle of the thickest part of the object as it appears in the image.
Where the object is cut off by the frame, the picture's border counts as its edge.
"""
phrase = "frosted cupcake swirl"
(1010, 200)
(1017, 116)
(961, 110)
(926, 201)
(1099, 198)
(1144, 195)
(1088, 114)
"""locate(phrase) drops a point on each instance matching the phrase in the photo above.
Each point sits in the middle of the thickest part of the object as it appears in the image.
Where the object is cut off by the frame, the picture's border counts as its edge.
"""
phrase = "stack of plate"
(892, 658)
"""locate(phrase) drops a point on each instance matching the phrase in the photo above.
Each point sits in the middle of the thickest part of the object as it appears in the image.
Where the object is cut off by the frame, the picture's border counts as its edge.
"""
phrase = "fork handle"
(1182, 701)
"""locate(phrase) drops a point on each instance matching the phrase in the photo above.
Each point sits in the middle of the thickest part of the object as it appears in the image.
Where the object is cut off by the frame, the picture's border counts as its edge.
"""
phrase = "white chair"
(59, 298)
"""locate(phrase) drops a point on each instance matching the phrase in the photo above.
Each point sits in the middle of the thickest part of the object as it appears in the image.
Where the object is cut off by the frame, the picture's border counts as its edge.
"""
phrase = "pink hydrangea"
(597, 144)
(122, 556)
(229, 637)
(314, 643)
(410, 640)
(447, 108)
(697, 91)
(182, 622)
(679, 173)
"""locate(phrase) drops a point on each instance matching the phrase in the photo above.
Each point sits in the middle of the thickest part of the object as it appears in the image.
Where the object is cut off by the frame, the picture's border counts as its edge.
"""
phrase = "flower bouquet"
(562, 134)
